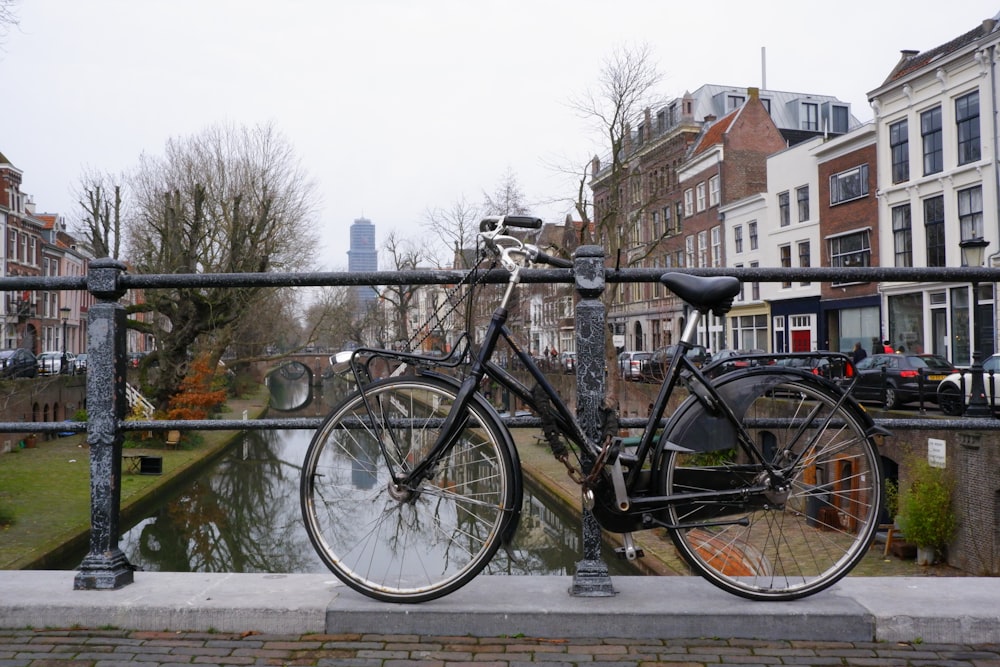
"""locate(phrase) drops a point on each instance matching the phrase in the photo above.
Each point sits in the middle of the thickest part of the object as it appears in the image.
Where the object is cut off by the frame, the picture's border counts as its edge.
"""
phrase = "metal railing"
(106, 567)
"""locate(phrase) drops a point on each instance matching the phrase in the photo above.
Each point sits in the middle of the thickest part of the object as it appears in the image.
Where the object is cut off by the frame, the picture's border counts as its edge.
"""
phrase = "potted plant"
(925, 510)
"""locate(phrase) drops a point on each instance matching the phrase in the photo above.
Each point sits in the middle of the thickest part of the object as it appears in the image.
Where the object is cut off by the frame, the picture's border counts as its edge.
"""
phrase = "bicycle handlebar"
(519, 221)
(557, 262)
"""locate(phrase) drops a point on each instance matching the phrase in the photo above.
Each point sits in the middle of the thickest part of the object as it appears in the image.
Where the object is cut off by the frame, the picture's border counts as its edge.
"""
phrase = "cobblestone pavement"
(108, 648)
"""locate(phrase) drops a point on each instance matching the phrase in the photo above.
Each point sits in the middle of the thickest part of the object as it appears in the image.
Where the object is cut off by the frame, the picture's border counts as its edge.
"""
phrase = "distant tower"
(363, 257)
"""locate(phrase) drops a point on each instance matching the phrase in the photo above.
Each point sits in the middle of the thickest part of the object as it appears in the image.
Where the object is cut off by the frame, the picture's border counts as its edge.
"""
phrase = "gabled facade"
(790, 239)
(849, 236)
(937, 183)
(686, 162)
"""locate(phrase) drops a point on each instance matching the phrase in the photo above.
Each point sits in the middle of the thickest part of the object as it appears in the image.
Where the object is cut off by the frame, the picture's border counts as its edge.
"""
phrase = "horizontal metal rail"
(108, 281)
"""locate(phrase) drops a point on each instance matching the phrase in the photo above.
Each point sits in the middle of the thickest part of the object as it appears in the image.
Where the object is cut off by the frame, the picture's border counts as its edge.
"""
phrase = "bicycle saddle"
(704, 293)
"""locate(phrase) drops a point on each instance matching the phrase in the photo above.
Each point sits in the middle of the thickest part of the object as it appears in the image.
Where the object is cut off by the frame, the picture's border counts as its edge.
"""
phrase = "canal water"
(242, 514)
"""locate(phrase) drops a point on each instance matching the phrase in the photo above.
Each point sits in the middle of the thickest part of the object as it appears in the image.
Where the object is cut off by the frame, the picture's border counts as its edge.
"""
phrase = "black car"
(823, 363)
(18, 363)
(898, 378)
(727, 360)
(656, 369)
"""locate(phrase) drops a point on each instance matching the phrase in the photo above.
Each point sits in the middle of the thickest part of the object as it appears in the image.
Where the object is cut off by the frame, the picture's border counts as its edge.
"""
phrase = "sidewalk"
(190, 618)
(89, 648)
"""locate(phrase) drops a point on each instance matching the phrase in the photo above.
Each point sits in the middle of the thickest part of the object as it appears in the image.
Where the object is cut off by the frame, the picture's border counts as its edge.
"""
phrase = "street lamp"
(64, 311)
(973, 251)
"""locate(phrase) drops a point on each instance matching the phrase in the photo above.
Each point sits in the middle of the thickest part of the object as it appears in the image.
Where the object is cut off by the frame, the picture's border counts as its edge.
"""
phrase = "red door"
(801, 341)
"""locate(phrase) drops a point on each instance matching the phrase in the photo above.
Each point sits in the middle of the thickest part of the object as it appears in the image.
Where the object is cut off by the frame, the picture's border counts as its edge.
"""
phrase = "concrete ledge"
(932, 609)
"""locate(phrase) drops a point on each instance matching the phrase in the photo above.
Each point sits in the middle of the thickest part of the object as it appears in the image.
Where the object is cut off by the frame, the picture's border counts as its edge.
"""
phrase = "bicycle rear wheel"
(807, 531)
(407, 545)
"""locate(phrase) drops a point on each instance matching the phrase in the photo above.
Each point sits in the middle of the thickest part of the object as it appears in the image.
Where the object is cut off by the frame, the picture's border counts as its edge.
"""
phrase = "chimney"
(753, 93)
(710, 118)
(989, 25)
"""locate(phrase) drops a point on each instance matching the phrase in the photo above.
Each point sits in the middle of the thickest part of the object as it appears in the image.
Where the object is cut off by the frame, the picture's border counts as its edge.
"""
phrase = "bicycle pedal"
(623, 554)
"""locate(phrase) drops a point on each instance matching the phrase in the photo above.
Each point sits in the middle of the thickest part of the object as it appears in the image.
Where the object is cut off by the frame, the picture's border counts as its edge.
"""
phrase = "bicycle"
(767, 478)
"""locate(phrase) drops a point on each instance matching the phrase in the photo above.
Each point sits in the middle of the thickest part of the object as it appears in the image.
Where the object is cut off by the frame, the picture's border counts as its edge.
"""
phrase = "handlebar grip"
(523, 221)
(519, 221)
(557, 262)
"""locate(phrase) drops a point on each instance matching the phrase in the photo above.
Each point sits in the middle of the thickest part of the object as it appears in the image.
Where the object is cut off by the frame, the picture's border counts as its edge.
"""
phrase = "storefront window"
(906, 322)
(961, 351)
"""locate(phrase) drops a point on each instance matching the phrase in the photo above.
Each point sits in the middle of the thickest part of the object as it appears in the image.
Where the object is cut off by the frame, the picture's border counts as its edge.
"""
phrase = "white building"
(937, 184)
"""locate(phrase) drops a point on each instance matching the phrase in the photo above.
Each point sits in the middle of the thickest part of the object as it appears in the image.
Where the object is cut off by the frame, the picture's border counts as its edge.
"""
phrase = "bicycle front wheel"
(817, 517)
(413, 544)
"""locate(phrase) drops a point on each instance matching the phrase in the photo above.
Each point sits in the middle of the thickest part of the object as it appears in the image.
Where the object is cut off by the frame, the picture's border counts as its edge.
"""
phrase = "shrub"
(926, 515)
(202, 391)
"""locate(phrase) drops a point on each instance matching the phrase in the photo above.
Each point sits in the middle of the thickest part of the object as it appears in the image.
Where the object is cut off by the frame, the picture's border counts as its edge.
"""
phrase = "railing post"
(105, 566)
(591, 578)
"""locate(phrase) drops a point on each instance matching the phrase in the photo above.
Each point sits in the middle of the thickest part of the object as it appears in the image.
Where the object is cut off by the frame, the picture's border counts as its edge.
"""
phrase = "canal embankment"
(45, 490)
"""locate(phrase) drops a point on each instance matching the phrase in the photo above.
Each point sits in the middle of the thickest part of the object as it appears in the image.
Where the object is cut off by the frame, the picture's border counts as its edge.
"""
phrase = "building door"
(939, 332)
(801, 340)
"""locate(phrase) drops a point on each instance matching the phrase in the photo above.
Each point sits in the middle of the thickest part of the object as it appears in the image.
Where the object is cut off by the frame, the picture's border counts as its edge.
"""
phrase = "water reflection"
(243, 513)
(291, 386)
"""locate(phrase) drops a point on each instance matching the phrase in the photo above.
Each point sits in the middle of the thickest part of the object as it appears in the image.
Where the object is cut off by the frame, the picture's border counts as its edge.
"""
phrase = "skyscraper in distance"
(363, 256)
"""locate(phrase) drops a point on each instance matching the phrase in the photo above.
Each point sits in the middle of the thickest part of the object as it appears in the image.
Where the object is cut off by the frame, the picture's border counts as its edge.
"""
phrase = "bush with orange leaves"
(201, 391)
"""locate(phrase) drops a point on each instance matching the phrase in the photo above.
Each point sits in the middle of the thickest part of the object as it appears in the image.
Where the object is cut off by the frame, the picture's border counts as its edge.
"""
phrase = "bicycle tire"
(782, 545)
(413, 546)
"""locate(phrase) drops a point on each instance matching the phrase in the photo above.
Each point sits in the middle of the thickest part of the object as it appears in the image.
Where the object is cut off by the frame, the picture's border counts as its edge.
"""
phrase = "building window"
(701, 197)
(970, 213)
(714, 195)
(703, 248)
(934, 230)
(802, 197)
(654, 225)
(755, 285)
(734, 102)
(689, 251)
(688, 203)
(810, 116)
(840, 119)
(930, 133)
(679, 210)
(967, 119)
(899, 146)
(741, 296)
(785, 254)
(804, 261)
(902, 235)
(850, 250)
(738, 239)
(783, 213)
(849, 185)
(752, 230)
(668, 223)
(716, 246)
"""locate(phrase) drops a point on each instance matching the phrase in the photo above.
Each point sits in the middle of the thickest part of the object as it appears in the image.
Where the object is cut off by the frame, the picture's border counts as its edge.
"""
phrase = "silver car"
(949, 393)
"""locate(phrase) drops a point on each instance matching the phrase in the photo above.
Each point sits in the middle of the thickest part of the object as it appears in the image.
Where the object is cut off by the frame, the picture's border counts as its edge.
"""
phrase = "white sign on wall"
(936, 453)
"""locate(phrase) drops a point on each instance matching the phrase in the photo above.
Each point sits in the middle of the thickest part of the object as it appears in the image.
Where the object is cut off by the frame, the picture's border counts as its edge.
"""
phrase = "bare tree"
(625, 89)
(507, 198)
(100, 198)
(455, 227)
(8, 17)
(227, 200)
(401, 255)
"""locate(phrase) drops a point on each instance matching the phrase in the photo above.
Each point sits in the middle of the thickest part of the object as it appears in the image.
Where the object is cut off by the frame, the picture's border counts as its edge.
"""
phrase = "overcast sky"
(394, 106)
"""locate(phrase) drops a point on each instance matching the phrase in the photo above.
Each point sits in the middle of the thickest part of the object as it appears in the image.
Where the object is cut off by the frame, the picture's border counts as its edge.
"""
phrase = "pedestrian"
(888, 347)
(859, 353)
(877, 347)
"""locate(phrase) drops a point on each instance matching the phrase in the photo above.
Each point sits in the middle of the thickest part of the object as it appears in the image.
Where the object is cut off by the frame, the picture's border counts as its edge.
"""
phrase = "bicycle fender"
(695, 428)
(518, 481)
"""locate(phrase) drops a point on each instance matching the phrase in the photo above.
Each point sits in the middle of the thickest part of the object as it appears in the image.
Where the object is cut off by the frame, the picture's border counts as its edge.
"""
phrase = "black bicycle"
(767, 477)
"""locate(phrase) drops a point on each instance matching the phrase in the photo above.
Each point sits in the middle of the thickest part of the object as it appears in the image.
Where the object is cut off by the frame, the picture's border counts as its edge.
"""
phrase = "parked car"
(656, 369)
(727, 360)
(824, 363)
(18, 363)
(80, 363)
(135, 358)
(49, 363)
(567, 362)
(631, 364)
(949, 391)
(898, 378)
